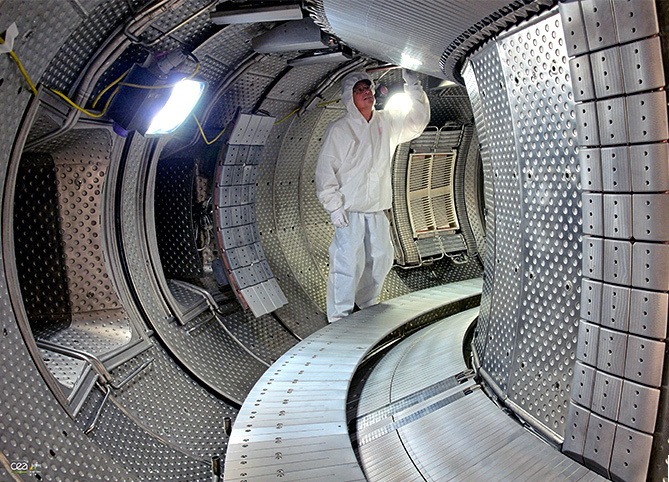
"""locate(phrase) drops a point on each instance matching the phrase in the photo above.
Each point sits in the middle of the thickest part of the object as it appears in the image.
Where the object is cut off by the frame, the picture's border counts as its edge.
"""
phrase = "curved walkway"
(293, 424)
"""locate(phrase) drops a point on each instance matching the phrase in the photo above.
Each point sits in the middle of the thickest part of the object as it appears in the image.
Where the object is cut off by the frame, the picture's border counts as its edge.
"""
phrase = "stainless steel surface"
(113, 289)
(278, 417)
(628, 79)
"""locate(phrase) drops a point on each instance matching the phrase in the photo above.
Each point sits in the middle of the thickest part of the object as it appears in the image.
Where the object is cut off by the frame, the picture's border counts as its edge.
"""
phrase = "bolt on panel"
(616, 169)
(583, 384)
(593, 214)
(631, 452)
(648, 313)
(650, 167)
(650, 213)
(593, 257)
(612, 121)
(599, 25)
(599, 443)
(618, 216)
(638, 406)
(591, 168)
(591, 300)
(606, 73)
(611, 356)
(577, 428)
(581, 77)
(615, 307)
(642, 65)
(617, 261)
(588, 338)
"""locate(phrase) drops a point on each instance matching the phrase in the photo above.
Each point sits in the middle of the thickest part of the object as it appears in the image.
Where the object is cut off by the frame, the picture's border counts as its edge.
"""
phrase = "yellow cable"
(95, 102)
(208, 142)
(13, 55)
(328, 102)
(317, 105)
(66, 99)
(280, 121)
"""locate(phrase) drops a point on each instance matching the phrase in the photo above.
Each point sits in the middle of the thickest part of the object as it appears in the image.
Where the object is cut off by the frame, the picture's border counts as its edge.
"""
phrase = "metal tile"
(591, 168)
(631, 451)
(648, 313)
(650, 167)
(618, 216)
(641, 65)
(617, 261)
(644, 360)
(599, 25)
(615, 307)
(634, 20)
(606, 395)
(650, 266)
(638, 406)
(591, 300)
(582, 387)
(616, 169)
(588, 340)
(613, 121)
(575, 432)
(581, 75)
(586, 120)
(647, 117)
(574, 27)
(649, 211)
(610, 359)
(593, 214)
(606, 73)
(593, 257)
(599, 444)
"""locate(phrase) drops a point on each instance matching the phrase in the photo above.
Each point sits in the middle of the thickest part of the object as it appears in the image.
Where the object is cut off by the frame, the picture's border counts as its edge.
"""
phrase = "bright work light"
(399, 101)
(153, 99)
(181, 102)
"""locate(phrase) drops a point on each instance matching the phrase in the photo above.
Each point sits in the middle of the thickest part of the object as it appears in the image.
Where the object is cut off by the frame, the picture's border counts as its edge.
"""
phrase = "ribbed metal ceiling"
(416, 35)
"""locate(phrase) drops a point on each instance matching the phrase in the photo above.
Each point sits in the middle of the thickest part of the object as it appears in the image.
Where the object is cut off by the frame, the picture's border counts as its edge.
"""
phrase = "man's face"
(363, 97)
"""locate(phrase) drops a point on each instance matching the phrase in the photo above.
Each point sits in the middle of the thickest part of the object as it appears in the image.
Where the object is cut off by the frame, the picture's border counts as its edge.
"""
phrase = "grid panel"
(196, 417)
(483, 323)
(34, 427)
(507, 200)
(545, 133)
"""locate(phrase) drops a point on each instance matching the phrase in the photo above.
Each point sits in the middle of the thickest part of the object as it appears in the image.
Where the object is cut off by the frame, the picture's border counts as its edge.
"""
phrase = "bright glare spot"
(410, 63)
(183, 98)
(399, 101)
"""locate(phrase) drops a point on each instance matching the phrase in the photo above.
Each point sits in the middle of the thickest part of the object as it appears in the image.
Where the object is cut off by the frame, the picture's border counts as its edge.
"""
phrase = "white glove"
(409, 76)
(339, 218)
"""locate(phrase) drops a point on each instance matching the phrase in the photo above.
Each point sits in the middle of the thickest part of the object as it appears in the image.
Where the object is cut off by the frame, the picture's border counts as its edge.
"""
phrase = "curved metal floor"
(421, 417)
(293, 423)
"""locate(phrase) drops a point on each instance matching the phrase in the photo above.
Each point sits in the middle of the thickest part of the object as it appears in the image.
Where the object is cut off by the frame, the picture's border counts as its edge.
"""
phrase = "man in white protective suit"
(353, 182)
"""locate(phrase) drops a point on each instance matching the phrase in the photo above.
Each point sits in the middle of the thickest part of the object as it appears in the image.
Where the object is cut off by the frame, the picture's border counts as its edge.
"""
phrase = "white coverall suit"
(353, 172)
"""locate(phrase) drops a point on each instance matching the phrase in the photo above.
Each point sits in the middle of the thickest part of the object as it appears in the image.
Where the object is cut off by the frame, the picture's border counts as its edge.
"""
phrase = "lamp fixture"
(152, 100)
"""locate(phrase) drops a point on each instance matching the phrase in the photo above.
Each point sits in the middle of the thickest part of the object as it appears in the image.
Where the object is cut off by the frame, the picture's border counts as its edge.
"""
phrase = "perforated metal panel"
(34, 427)
(483, 323)
(196, 417)
(544, 131)
(500, 146)
(175, 231)
(534, 169)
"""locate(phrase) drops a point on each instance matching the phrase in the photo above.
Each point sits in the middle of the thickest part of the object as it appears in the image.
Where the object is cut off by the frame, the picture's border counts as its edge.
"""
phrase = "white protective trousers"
(361, 256)
(353, 173)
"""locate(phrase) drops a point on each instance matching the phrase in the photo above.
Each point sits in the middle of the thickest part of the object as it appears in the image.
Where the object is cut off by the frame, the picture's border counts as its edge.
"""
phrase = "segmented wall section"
(524, 110)
(574, 307)
(621, 113)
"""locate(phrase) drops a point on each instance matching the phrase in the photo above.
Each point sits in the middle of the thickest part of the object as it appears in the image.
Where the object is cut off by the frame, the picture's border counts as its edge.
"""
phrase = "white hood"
(347, 84)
